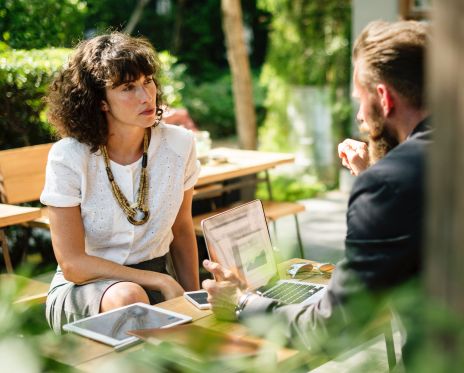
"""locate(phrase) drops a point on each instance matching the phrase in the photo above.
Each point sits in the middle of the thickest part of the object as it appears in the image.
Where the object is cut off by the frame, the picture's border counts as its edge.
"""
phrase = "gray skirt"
(68, 302)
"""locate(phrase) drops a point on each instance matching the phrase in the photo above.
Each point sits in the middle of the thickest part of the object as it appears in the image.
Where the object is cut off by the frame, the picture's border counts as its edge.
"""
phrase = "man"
(385, 208)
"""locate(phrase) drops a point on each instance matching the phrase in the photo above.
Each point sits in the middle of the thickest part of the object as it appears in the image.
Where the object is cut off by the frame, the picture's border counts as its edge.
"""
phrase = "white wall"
(363, 12)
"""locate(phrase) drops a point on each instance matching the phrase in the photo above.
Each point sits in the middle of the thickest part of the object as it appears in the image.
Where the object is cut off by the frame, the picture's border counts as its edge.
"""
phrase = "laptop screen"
(239, 240)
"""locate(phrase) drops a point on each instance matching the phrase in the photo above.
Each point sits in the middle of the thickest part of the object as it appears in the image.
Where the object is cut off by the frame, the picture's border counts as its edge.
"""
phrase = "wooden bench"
(22, 176)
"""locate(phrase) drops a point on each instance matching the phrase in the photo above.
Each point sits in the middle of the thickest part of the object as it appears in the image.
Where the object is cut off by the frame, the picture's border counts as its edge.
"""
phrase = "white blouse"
(75, 176)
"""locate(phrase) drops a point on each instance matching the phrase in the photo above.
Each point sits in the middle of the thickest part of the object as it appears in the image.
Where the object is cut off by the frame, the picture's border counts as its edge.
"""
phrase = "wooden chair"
(23, 172)
(22, 177)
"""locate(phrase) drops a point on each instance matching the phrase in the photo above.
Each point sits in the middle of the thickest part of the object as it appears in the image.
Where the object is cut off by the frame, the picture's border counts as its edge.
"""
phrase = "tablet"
(111, 327)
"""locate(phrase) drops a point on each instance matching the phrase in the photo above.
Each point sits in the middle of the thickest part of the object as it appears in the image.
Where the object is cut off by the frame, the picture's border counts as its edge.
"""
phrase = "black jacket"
(383, 247)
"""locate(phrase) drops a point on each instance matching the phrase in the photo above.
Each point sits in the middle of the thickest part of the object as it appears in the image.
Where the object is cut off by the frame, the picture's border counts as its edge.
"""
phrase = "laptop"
(239, 240)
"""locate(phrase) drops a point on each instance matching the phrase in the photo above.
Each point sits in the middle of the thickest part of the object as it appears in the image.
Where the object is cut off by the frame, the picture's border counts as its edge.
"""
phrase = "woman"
(119, 184)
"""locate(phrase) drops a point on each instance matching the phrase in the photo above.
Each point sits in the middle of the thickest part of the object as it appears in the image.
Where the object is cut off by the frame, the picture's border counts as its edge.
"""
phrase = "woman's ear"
(104, 106)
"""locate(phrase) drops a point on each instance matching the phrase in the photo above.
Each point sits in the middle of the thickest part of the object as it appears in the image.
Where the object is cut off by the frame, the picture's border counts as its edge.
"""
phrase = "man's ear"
(386, 99)
(104, 106)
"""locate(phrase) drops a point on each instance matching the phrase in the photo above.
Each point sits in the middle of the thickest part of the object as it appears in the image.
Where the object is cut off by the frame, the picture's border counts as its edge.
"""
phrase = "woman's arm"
(184, 251)
(67, 232)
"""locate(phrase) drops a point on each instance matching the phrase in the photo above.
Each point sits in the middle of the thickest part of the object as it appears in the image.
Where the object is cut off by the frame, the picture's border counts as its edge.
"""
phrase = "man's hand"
(354, 155)
(223, 294)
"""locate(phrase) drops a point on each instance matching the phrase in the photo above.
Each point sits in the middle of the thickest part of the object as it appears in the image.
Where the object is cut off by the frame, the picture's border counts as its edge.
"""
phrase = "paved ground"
(322, 226)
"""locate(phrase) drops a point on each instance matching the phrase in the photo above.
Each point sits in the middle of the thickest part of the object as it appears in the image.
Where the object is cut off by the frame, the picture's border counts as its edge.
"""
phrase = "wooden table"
(227, 163)
(11, 215)
(88, 355)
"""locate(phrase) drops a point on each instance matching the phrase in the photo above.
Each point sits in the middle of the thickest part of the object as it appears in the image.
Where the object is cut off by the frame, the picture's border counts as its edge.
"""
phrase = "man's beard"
(381, 140)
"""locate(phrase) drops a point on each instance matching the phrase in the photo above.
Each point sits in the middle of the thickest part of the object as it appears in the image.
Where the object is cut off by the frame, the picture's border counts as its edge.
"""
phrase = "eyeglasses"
(305, 268)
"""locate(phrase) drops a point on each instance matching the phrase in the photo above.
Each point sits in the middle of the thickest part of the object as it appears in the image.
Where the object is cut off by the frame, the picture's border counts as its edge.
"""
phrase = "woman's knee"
(122, 294)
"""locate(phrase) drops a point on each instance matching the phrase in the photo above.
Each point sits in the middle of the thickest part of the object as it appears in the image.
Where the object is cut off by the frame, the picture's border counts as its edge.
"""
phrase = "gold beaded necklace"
(137, 213)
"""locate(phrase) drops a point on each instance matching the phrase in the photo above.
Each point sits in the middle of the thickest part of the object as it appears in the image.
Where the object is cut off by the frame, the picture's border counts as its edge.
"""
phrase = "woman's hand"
(170, 288)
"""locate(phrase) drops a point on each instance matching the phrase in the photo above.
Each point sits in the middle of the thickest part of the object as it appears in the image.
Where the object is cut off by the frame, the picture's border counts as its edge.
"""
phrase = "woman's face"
(131, 104)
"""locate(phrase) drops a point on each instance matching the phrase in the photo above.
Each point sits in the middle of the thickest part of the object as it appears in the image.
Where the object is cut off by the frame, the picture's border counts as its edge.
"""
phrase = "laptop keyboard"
(292, 292)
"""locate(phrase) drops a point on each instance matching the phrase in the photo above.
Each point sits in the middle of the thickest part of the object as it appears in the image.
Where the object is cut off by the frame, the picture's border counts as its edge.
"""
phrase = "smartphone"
(198, 298)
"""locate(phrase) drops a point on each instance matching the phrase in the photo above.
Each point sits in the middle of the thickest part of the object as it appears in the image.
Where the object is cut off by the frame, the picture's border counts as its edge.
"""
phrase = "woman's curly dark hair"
(75, 96)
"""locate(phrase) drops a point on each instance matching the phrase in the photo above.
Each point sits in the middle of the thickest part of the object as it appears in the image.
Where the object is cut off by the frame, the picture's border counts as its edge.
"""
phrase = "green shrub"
(274, 134)
(171, 79)
(34, 24)
(24, 78)
(291, 188)
(211, 104)
(309, 44)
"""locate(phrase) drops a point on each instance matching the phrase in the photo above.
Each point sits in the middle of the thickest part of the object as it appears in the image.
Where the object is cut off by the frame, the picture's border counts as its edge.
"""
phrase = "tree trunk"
(237, 56)
(445, 234)
(135, 16)
(178, 21)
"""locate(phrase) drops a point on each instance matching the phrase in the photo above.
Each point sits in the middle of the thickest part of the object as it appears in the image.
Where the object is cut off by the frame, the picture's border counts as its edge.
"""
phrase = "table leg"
(298, 236)
(6, 252)
(268, 185)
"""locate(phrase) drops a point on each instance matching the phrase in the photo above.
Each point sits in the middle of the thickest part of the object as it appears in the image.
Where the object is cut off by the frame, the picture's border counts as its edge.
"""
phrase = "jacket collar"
(422, 128)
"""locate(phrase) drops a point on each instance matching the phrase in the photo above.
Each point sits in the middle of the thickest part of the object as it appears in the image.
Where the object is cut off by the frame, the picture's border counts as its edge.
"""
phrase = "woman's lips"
(148, 112)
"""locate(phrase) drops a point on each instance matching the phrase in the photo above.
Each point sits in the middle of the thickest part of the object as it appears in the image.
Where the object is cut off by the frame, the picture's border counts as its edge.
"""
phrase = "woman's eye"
(148, 80)
(128, 87)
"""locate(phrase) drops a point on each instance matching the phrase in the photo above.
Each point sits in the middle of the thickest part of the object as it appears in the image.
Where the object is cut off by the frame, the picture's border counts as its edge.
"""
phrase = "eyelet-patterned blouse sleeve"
(64, 174)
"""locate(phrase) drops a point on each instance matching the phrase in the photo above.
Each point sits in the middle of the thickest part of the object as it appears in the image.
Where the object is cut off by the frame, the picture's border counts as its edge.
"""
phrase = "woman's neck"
(125, 147)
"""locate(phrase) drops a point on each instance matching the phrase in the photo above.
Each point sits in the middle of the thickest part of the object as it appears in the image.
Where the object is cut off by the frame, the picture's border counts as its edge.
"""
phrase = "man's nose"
(359, 117)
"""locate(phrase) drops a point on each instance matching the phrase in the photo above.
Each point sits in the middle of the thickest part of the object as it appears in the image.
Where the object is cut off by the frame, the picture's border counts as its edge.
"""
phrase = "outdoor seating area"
(16, 165)
(28, 164)
(231, 186)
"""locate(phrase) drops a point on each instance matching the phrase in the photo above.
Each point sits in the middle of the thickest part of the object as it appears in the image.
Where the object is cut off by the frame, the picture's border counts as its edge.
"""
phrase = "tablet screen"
(111, 327)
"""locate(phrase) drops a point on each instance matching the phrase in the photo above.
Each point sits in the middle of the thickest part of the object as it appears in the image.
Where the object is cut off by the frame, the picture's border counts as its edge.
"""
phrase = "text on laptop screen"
(239, 239)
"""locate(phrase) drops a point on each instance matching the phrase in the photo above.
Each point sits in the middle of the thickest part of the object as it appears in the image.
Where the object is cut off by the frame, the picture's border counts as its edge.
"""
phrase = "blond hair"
(394, 53)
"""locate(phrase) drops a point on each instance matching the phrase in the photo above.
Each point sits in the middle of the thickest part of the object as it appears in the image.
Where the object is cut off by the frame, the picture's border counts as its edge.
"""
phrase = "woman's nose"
(143, 94)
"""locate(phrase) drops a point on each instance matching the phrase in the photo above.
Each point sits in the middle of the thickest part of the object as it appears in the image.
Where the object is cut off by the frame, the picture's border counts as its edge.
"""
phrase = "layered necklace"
(137, 213)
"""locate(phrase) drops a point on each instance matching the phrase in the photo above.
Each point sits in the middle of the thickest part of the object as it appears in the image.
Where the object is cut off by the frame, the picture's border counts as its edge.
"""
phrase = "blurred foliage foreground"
(435, 335)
